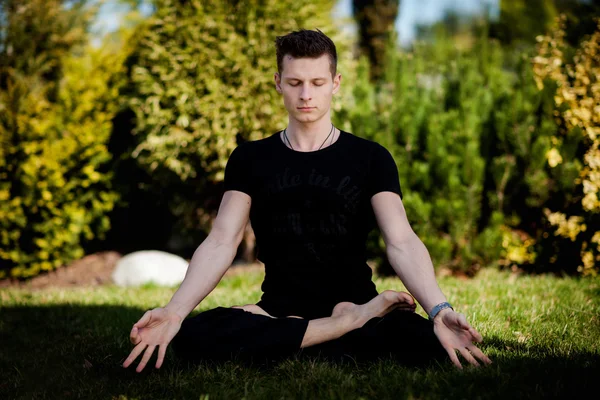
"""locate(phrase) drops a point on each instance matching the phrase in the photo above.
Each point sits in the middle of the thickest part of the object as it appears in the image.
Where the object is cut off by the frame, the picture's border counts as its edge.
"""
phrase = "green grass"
(542, 332)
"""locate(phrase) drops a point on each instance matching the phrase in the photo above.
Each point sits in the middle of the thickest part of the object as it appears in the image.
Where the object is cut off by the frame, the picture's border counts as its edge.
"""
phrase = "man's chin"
(307, 118)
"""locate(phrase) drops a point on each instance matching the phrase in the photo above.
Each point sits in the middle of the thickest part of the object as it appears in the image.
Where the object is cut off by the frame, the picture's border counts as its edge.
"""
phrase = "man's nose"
(306, 93)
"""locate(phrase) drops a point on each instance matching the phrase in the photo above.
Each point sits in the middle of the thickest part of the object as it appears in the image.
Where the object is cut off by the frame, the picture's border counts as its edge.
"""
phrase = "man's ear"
(277, 82)
(336, 83)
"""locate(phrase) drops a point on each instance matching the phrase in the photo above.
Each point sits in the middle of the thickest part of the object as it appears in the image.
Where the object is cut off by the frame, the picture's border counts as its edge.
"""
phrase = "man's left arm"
(405, 251)
(411, 261)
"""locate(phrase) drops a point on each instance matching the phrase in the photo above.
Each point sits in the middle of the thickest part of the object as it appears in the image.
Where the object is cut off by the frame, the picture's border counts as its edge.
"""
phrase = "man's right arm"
(214, 256)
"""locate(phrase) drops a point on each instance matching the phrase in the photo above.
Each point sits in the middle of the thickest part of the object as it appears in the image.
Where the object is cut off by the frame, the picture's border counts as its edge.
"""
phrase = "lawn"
(542, 332)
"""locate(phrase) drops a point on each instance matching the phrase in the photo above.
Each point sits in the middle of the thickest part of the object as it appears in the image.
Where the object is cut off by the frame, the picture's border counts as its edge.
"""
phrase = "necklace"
(288, 140)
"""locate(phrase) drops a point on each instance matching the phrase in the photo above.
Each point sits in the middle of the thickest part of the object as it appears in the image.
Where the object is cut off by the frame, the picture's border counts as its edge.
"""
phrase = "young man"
(312, 193)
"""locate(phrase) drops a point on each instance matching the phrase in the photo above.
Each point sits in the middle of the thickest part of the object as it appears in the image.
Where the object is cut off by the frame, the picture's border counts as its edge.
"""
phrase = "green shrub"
(200, 83)
(53, 130)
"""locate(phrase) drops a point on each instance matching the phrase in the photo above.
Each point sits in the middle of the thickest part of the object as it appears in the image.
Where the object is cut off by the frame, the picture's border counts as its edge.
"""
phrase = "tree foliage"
(375, 24)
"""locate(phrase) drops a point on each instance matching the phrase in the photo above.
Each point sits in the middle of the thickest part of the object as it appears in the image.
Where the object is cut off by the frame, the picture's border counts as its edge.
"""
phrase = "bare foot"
(379, 306)
(254, 309)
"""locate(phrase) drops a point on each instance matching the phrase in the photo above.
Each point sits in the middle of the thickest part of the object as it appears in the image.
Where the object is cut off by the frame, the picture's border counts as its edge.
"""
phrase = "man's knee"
(412, 338)
(223, 332)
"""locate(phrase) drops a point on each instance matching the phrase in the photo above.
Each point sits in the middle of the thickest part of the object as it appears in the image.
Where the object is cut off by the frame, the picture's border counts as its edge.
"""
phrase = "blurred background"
(117, 118)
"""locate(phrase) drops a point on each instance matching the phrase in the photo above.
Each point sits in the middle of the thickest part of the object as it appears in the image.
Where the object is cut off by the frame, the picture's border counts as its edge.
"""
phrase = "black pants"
(223, 334)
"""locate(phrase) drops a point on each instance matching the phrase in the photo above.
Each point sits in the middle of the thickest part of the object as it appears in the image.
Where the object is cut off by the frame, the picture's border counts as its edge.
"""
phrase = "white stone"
(158, 267)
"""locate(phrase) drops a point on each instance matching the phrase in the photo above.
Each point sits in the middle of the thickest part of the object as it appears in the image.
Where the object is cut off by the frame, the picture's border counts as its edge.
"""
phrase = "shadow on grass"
(77, 352)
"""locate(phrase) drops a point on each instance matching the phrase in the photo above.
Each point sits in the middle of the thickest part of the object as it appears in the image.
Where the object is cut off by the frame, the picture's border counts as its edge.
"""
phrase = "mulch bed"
(91, 270)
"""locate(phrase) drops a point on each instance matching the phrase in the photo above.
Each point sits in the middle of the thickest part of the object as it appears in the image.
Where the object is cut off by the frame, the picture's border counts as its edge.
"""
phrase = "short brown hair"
(306, 43)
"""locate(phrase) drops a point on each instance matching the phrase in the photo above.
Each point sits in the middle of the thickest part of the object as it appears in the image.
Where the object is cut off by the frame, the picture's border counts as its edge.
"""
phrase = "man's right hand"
(157, 327)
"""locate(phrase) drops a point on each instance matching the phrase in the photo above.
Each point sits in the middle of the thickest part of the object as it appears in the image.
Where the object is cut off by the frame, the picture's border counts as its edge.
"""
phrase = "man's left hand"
(455, 333)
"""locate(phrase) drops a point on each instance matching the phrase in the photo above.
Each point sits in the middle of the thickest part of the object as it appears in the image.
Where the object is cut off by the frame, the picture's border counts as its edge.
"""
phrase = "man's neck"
(310, 136)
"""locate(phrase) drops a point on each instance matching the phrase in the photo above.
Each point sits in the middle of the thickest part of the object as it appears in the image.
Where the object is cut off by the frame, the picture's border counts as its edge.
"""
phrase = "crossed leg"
(224, 333)
(346, 316)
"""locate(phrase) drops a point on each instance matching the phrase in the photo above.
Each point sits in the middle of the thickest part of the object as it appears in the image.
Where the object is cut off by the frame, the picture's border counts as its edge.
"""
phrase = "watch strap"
(436, 309)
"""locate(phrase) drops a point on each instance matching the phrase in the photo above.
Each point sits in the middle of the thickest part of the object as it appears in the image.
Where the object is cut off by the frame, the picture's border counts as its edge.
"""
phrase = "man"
(312, 193)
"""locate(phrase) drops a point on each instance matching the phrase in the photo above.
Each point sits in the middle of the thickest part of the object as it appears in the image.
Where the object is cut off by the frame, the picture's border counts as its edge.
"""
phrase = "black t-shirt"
(311, 214)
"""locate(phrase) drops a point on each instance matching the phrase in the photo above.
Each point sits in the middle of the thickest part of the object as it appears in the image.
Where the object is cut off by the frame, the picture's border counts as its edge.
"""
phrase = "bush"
(200, 83)
(574, 86)
(53, 130)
